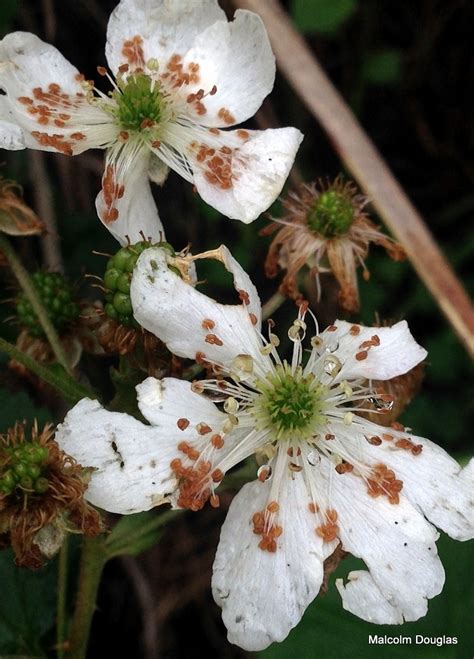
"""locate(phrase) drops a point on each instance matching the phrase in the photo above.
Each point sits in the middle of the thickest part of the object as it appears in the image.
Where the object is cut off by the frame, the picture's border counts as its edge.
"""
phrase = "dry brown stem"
(300, 67)
(52, 258)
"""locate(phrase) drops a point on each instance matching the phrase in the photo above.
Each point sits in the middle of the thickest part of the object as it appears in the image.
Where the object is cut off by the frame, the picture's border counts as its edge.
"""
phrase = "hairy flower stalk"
(181, 76)
(41, 495)
(326, 229)
(331, 480)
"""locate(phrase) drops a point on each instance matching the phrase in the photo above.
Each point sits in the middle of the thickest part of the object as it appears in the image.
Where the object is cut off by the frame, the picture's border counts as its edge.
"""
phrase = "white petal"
(188, 321)
(237, 59)
(11, 135)
(164, 402)
(242, 284)
(397, 353)
(255, 171)
(132, 460)
(27, 62)
(432, 480)
(137, 212)
(167, 27)
(36, 76)
(362, 597)
(395, 541)
(263, 595)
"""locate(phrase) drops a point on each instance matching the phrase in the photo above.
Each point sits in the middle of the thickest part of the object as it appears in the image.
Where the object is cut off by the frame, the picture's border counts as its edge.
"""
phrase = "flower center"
(139, 102)
(332, 214)
(291, 404)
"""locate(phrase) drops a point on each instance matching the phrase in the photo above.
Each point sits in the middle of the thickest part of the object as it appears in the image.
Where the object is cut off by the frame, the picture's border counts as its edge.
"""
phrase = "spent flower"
(16, 217)
(41, 495)
(326, 229)
(181, 75)
(332, 481)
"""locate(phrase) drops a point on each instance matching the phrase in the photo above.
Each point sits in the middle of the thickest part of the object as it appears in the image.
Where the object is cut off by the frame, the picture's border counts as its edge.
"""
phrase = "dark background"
(406, 69)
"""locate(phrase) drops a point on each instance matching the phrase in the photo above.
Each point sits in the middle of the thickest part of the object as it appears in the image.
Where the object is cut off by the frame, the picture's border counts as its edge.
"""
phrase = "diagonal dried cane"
(299, 66)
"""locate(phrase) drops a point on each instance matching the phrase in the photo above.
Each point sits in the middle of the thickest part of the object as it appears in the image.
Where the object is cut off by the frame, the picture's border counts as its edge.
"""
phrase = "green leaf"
(383, 67)
(323, 16)
(330, 632)
(27, 606)
(18, 407)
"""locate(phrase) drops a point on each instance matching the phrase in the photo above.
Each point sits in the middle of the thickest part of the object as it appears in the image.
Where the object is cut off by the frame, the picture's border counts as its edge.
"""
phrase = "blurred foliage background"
(405, 69)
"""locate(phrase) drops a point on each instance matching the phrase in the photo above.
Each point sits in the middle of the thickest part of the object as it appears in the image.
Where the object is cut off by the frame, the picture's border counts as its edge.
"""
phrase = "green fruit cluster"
(23, 469)
(57, 297)
(117, 278)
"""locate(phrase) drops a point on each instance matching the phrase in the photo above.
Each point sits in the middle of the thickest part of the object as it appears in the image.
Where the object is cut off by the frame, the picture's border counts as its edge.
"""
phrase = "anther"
(217, 475)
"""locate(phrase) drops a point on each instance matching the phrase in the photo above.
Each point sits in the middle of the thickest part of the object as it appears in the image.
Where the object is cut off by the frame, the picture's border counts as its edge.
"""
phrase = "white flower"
(330, 476)
(180, 74)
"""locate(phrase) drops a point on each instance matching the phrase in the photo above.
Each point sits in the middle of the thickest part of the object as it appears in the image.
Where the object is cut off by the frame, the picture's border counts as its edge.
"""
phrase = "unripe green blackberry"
(23, 468)
(332, 214)
(56, 294)
(117, 278)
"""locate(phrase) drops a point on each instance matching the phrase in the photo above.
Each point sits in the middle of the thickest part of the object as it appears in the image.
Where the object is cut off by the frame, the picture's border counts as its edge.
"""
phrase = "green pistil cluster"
(332, 214)
(58, 299)
(23, 468)
(117, 279)
(291, 404)
(139, 102)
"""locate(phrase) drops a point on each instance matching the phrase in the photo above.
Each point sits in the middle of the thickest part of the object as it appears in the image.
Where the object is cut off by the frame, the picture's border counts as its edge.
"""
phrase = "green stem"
(31, 293)
(272, 305)
(62, 598)
(118, 541)
(93, 559)
(69, 388)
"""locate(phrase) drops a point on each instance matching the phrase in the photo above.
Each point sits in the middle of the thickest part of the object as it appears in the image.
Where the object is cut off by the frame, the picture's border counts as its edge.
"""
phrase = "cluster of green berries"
(332, 214)
(117, 278)
(57, 296)
(23, 468)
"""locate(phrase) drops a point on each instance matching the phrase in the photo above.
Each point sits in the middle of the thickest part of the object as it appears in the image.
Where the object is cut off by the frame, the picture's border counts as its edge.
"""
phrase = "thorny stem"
(62, 598)
(69, 388)
(272, 304)
(93, 559)
(310, 82)
(31, 293)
